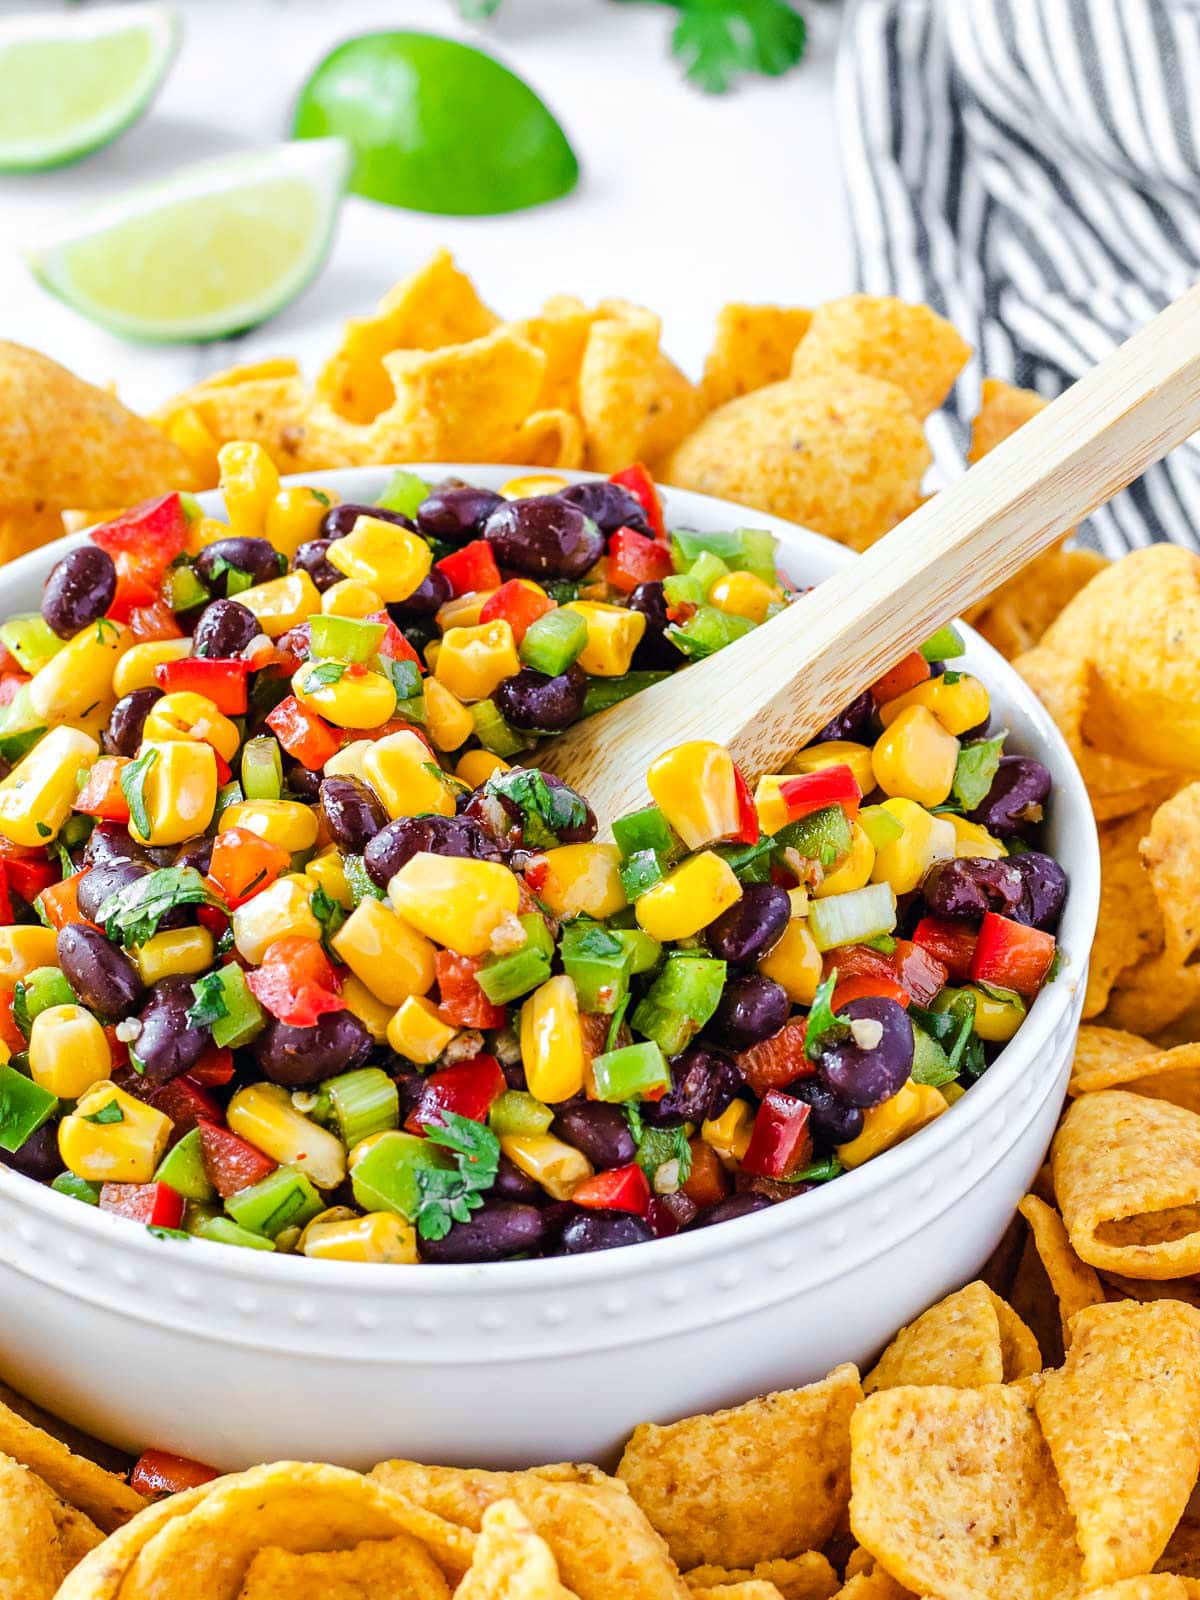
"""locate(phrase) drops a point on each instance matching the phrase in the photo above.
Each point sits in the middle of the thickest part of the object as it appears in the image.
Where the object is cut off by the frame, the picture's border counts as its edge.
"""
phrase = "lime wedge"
(436, 126)
(214, 250)
(70, 82)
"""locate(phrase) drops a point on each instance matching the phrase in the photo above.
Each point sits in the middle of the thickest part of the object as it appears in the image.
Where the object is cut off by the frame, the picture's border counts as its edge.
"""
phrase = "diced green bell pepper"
(345, 638)
(604, 692)
(363, 1102)
(944, 645)
(680, 1001)
(640, 872)
(283, 1199)
(632, 1073)
(362, 885)
(647, 829)
(644, 952)
(183, 1169)
(880, 826)
(404, 493)
(223, 1230)
(517, 1113)
(598, 963)
(745, 550)
(184, 589)
(244, 1018)
(31, 640)
(385, 1177)
(505, 978)
(554, 642)
(707, 631)
(37, 991)
(76, 1188)
(822, 836)
(931, 1064)
(24, 1107)
(493, 732)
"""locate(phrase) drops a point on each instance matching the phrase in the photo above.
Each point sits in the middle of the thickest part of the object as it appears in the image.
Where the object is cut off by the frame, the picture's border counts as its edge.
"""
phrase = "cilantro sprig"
(131, 915)
(546, 811)
(657, 1146)
(133, 787)
(450, 1194)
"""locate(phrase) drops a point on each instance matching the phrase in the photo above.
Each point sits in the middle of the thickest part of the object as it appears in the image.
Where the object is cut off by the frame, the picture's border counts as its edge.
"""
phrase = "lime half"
(436, 126)
(212, 251)
(70, 82)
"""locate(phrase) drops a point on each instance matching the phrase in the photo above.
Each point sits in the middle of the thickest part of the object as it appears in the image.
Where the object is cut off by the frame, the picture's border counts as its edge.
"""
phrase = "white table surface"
(686, 200)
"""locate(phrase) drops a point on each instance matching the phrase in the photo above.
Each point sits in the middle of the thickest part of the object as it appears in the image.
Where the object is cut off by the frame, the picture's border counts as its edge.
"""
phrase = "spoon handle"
(769, 692)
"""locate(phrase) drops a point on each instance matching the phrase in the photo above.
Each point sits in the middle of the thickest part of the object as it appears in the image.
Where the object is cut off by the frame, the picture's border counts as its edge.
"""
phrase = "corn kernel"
(463, 610)
(187, 429)
(743, 594)
(390, 559)
(530, 484)
(951, 1093)
(447, 720)
(477, 766)
(417, 1032)
(886, 1125)
(184, 715)
(95, 720)
(264, 1114)
(287, 823)
(971, 839)
(135, 669)
(583, 880)
(689, 898)
(373, 1013)
(393, 959)
(249, 482)
(916, 758)
(558, 1167)
(283, 908)
(729, 1134)
(282, 603)
(380, 1236)
(179, 791)
(695, 786)
(432, 651)
(124, 1151)
(552, 1041)
(349, 598)
(959, 705)
(995, 1020)
(328, 872)
(405, 776)
(795, 963)
(24, 947)
(37, 796)
(473, 662)
(79, 675)
(836, 753)
(176, 952)
(356, 700)
(769, 806)
(456, 902)
(925, 839)
(68, 1051)
(854, 869)
(613, 634)
(205, 531)
(348, 762)
(294, 517)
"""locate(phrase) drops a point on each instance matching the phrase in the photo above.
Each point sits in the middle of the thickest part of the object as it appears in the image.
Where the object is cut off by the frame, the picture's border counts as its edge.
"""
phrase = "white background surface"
(686, 200)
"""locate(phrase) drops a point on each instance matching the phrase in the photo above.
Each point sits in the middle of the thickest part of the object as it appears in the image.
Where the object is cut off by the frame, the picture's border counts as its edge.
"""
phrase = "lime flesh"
(69, 84)
(436, 126)
(212, 252)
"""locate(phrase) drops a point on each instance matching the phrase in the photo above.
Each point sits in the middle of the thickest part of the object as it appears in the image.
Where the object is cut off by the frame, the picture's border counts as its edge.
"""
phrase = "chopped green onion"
(850, 918)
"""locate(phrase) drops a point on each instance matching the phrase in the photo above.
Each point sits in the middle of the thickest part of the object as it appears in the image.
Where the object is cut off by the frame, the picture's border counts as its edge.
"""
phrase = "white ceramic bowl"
(234, 1357)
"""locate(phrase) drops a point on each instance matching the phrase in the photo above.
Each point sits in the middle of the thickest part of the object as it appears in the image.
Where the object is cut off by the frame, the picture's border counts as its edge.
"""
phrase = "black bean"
(168, 1043)
(610, 505)
(352, 812)
(671, 1213)
(301, 781)
(752, 1008)
(103, 977)
(123, 734)
(196, 853)
(543, 538)
(1045, 890)
(224, 629)
(258, 557)
(311, 558)
(429, 596)
(498, 1230)
(603, 1230)
(79, 590)
(869, 1076)
(456, 512)
(1014, 803)
(752, 926)
(440, 836)
(655, 652)
(704, 1081)
(38, 1157)
(338, 521)
(504, 820)
(111, 841)
(104, 879)
(728, 1210)
(832, 1121)
(296, 1057)
(853, 723)
(531, 700)
(601, 1131)
(961, 890)
(513, 1184)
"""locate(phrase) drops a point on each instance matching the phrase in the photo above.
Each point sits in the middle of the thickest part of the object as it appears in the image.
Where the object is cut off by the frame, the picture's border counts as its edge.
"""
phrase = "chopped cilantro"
(718, 40)
(327, 912)
(1006, 997)
(131, 915)
(546, 811)
(20, 1009)
(950, 676)
(618, 1017)
(657, 1146)
(43, 832)
(103, 623)
(976, 768)
(109, 1112)
(324, 675)
(818, 1171)
(15, 745)
(321, 496)
(450, 1195)
(209, 1006)
(160, 1232)
(823, 1027)
(405, 676)
(1052, 971)
(133, 787)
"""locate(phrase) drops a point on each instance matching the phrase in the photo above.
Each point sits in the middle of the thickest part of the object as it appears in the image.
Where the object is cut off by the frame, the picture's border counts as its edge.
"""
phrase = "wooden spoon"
(766, 694)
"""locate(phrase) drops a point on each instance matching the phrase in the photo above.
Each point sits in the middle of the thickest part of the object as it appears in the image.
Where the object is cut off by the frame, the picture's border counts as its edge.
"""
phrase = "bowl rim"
(452, 1281)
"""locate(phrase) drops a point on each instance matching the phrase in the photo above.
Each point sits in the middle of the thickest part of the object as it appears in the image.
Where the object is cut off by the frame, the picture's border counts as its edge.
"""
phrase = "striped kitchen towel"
(1032, 169)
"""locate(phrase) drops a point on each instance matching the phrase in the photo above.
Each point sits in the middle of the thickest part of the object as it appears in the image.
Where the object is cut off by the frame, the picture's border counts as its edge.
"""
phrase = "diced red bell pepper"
(155, 1204)
(29, 875)
(1011, 956)
(185, 1101)
(7, 914)
(950, 943)
(296, 982)
(517, 604)
(153, 622)
(243, 864)
(920, 973)
(856, 961)
(221, 681)
(214, 1068)
(10, 686)
(463, 1003)
(232, 1163)
(102, 795)
(139, 587)
(641, 486)
(905, 675)
(60, 901)
(156, 529)
(467, 1088)
(10, 1033)
(395, 642)
(157, 1474)
(813, 791)
(708, 1181)
(303, 734)
(618, 1189)
(634, 559)
(472, 568)
(747, 831)
(777, 1060)
(869, 987)
(780, 1143)
(212, 917)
